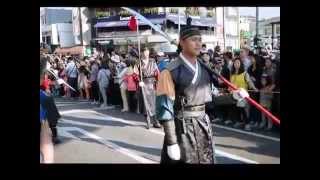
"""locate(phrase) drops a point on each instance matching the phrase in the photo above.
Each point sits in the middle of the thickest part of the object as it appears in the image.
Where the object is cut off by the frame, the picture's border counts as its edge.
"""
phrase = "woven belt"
(148, 77)
(195, 108)
(187, 114)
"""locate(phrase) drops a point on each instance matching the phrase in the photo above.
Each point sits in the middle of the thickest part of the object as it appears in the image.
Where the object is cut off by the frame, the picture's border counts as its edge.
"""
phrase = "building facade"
(112, 24)
(266, 27)
(247, 30)
(56, 27)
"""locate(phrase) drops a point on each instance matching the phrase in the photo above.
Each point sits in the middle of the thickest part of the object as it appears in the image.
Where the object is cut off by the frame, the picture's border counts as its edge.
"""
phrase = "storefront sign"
(124, 33)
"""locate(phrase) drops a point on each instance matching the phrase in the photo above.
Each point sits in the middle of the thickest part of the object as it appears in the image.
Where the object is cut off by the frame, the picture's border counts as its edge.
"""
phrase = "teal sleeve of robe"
(164, 108)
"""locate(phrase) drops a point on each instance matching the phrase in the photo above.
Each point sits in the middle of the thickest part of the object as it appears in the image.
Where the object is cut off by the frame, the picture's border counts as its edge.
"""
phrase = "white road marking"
(102, 117)
(63, 131)
(248, 133)
(134, 123)
(106, 108)
(235, 157)
(110, 145)
(76, 111)
(78, 123)
(222, 153)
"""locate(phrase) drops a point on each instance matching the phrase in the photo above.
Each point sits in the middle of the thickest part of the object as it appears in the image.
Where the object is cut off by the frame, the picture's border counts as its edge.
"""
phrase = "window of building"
(231, 28)
(231, 11)
(43, 19)
(278, 29)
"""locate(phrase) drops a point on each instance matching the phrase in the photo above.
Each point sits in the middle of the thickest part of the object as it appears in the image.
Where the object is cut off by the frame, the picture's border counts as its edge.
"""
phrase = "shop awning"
(204, 22)
(125, 23)
(76, 50)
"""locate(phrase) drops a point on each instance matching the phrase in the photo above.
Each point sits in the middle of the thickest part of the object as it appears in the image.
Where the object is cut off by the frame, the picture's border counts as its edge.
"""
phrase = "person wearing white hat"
(114, 57)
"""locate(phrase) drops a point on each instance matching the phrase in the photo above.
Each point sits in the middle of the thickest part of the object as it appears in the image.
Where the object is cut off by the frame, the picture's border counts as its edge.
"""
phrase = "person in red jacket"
(45, 86)
(131, 80)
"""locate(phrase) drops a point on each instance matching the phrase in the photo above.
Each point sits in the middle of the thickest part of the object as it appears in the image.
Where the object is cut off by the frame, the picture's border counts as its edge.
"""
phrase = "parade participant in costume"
(163, 61)
(182, 91)
(47, 101)
(150, 75)
(46, 145)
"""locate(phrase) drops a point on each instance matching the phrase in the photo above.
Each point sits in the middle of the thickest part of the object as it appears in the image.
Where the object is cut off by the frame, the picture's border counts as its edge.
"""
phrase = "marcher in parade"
(163, 61)
(149, 76)
(46, 145)
(182, 91)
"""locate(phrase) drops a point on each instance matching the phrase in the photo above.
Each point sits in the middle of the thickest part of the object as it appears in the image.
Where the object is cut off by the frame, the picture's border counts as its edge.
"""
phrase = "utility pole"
(257, 23)
(238, 23)
(80, 24)
(224, 26)
(179, 9)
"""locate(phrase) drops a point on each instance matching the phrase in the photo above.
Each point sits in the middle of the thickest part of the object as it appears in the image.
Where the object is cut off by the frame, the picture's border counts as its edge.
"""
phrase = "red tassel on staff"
(132, 24)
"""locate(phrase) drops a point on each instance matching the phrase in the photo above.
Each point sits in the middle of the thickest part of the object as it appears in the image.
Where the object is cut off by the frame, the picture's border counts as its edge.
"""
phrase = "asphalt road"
(93, 135)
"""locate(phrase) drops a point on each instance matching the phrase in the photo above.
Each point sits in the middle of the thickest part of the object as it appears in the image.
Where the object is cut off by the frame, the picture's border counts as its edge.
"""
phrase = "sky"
(264, 12)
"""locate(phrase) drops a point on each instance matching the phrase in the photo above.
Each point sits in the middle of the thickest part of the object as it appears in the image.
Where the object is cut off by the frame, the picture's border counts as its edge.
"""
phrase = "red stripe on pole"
(253, 102)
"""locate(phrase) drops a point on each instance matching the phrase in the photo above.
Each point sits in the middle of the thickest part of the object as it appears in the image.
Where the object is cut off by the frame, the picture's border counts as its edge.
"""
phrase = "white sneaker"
(247, 127)
(269, 127)
(124, 110)
(262, 125)
(228, 122)
(110, 107)
(255, 125)
(216, 120)
(103, 106)
(237, 125)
